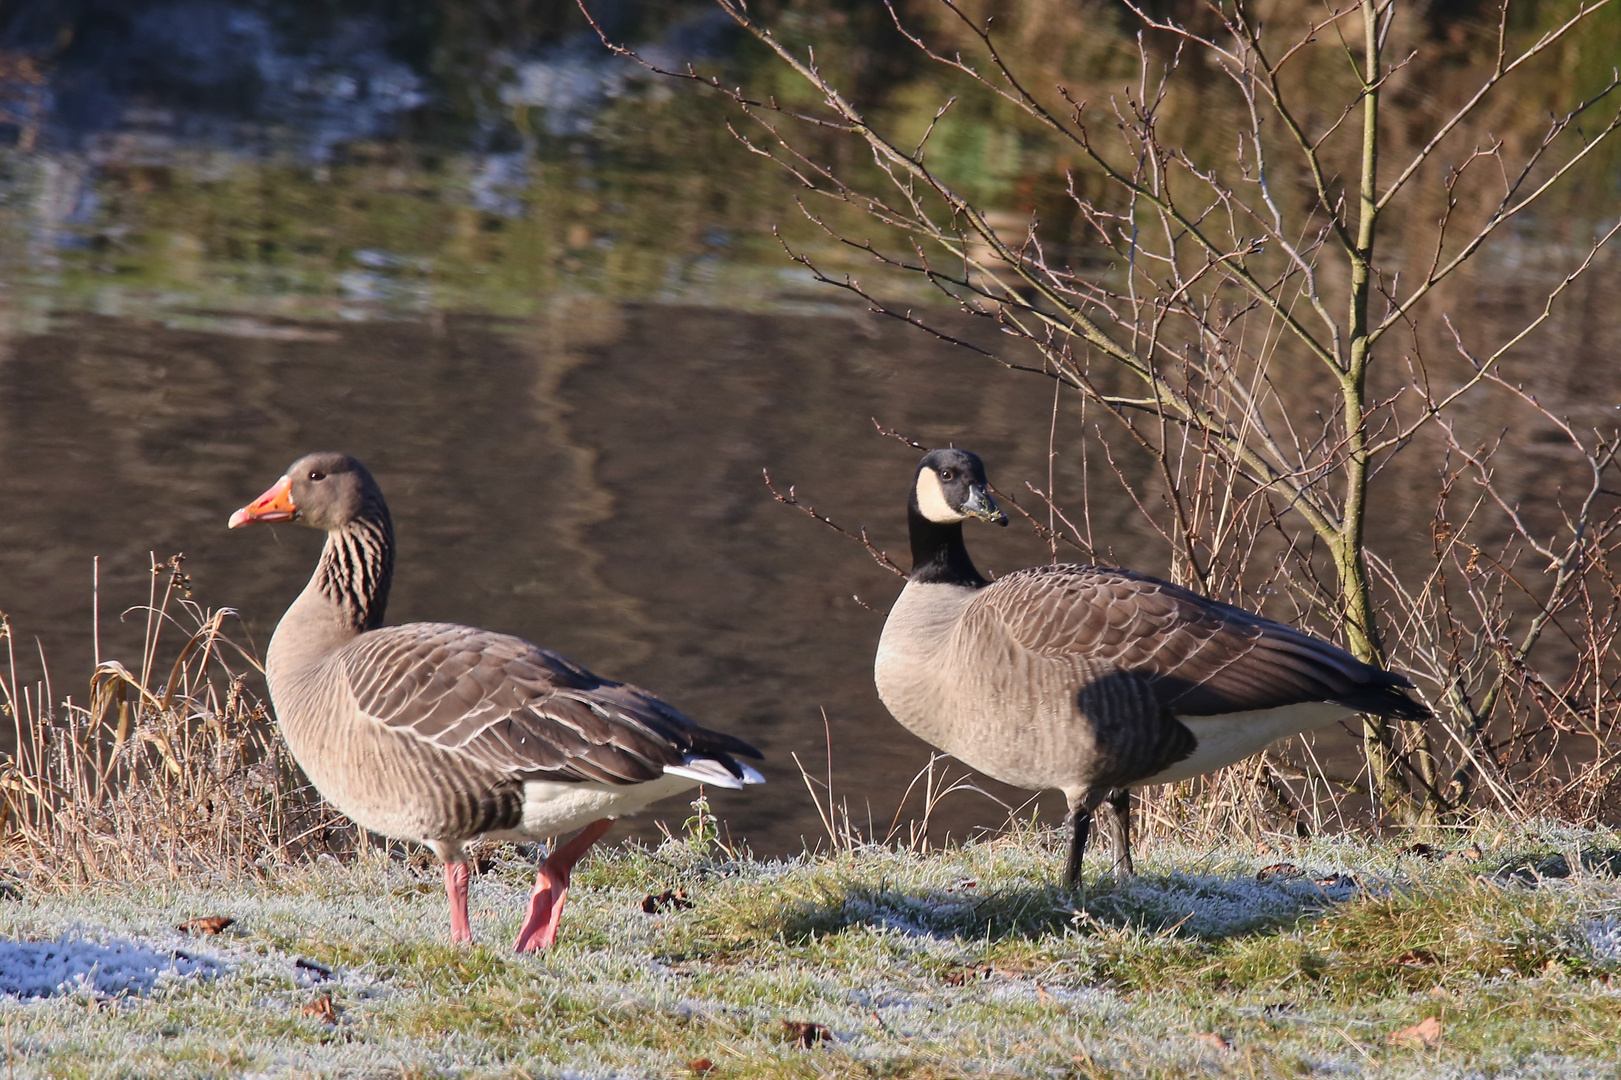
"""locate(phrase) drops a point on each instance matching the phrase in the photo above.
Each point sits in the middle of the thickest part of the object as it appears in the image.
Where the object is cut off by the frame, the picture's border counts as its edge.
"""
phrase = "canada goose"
(443, 733)
(1090, 679)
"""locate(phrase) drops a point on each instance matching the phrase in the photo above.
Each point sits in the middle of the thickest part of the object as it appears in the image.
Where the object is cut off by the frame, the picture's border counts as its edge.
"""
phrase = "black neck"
(938, 553)
(357, 567)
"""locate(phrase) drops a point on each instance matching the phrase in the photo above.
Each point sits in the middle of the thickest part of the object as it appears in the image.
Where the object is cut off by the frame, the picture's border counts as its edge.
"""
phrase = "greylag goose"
(443, 733)
(1089, 679)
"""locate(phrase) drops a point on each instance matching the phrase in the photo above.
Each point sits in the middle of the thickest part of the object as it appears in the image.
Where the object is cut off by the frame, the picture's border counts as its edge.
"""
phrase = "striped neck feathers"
(357, 568)
(938, 553)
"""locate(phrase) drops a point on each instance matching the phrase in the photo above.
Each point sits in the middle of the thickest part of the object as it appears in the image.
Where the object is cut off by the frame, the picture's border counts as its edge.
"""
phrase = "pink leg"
(551, 887)
(456, 875)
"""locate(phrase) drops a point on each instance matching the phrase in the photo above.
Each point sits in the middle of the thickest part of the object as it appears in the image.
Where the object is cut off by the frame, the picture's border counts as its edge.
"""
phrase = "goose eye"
(316, 475)
(947, 475)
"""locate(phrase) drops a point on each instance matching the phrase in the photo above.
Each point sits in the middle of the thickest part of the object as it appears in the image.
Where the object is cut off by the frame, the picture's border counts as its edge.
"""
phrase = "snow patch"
(40, 969)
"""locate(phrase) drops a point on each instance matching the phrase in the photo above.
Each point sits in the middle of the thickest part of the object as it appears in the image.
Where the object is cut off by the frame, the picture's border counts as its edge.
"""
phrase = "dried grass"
(175, 768)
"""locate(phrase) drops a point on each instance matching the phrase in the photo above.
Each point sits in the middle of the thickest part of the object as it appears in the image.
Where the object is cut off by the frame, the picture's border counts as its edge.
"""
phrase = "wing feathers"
(1202, 657)
(525, 711)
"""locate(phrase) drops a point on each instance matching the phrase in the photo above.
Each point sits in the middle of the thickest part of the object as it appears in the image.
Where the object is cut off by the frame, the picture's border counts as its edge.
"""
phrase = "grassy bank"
(966, 962)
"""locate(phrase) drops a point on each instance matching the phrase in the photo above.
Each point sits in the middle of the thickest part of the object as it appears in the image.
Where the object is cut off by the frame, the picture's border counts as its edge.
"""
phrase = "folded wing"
(526, 711)
(1200, 657)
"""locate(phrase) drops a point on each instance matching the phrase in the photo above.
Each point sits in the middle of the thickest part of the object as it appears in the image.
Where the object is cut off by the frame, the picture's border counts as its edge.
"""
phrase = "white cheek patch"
(931, 499)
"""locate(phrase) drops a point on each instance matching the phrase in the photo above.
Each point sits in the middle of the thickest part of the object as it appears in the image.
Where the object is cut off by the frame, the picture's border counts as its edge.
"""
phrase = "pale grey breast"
(911, 669)
(388, 780)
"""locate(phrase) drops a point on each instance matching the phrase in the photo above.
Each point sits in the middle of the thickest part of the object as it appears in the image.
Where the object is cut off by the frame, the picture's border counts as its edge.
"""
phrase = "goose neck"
(356, 570)
(345, 597)
(939, 555)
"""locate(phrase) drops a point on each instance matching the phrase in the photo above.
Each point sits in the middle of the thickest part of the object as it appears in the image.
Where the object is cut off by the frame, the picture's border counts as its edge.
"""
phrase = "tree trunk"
(1391, 792)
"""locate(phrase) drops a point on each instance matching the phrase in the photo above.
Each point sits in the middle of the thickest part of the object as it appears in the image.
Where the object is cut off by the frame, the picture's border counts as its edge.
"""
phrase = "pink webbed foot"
(551, 889)
(456, 878)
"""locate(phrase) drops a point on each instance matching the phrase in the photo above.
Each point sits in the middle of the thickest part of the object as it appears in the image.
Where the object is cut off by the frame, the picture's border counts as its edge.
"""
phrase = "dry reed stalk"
(181, 776)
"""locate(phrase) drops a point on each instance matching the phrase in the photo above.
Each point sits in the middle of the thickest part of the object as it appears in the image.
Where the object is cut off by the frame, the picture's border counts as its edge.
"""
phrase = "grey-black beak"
(981, 505)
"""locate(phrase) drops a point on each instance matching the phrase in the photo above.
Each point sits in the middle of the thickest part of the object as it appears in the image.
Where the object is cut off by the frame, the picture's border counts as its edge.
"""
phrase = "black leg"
(1080, 824)
(1116, 821)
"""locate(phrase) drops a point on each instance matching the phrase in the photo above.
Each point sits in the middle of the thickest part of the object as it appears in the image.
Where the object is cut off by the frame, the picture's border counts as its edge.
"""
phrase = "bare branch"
(859, 536)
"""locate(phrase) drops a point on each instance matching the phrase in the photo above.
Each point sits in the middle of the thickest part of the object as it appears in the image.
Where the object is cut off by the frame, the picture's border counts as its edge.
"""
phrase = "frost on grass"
(1600, 939)
(39, 969)
(967, 961)
(1207, 905)
(941, 903)
(919, 914)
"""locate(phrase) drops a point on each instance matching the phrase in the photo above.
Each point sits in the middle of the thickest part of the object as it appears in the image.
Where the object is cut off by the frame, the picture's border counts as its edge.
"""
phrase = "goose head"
(324, 490)
(950, 486)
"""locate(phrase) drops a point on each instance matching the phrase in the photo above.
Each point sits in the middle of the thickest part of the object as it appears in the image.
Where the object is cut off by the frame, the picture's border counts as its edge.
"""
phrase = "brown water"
(567, 359)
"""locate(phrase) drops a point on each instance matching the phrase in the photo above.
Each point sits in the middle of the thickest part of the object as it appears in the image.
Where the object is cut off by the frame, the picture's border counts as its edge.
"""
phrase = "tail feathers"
(722, 772)
(706, 742)
(1389, 700)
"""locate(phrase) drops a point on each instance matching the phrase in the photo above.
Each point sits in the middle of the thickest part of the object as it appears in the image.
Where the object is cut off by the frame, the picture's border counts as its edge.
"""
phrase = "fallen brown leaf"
(668, 900)
(211, 924)
(322, 1009)
(701, 1066)
(1427, 1032)
(1417, 958)
(1282, 871)
(1212, 1040)
(806, 1034)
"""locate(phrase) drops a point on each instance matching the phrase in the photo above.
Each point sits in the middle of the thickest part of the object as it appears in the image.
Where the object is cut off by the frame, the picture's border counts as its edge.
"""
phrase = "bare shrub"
(1246, 282)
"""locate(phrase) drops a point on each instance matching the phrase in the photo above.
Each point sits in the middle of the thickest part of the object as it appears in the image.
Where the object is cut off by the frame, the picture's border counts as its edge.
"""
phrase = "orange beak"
(274, 505)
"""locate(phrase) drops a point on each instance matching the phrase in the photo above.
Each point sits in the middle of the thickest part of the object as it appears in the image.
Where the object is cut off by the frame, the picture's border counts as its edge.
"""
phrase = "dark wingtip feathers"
(719, 742)
(1387, 699)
